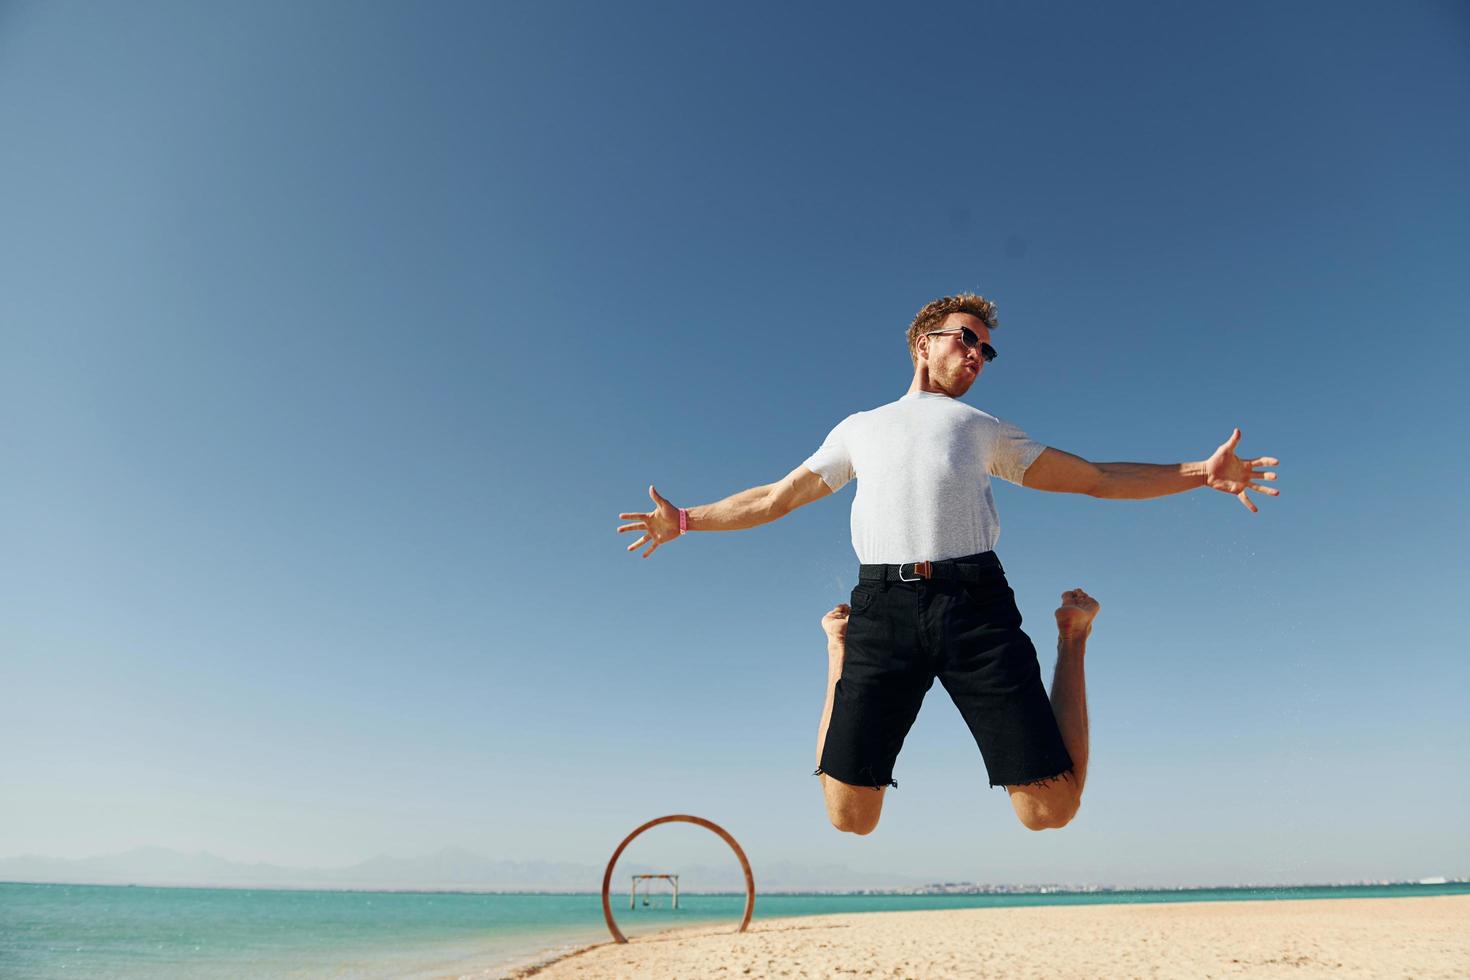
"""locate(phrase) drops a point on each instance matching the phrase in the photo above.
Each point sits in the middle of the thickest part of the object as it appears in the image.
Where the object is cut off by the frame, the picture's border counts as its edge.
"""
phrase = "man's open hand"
(659, 525)
(1227, 472)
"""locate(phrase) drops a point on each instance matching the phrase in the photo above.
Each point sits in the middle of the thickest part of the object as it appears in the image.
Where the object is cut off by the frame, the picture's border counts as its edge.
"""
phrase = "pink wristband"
(683, 520)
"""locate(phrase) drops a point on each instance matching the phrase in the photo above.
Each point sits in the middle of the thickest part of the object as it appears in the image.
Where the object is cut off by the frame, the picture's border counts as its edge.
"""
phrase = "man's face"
(952, 366)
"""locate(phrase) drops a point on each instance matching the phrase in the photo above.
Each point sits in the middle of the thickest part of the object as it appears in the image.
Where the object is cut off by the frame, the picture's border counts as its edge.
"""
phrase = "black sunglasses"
(970, 339)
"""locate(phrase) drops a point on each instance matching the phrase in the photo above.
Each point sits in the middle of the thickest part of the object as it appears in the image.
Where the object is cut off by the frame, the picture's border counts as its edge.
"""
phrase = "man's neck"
(921, 382)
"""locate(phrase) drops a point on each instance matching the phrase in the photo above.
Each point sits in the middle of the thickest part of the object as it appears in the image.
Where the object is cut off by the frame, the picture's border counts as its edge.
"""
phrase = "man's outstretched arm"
(1062, 472)
(748, 508)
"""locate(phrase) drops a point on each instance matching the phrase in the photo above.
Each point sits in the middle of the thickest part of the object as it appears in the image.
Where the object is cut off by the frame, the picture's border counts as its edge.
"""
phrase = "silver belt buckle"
(922, 569)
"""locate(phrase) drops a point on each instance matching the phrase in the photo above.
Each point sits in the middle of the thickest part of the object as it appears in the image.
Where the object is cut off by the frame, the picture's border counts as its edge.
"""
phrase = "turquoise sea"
(129, 933)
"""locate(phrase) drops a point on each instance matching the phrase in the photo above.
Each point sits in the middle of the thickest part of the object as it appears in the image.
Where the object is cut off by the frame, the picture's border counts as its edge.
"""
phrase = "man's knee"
(852, 809)
(852, 821)
(1046, 818)
(1046, 807)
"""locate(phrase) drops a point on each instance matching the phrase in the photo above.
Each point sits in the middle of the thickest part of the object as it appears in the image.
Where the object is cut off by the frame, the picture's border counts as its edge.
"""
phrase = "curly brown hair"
(933, 314)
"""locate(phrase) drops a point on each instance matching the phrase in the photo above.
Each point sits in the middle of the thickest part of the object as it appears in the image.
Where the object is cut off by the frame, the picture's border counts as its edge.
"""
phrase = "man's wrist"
(683, 521)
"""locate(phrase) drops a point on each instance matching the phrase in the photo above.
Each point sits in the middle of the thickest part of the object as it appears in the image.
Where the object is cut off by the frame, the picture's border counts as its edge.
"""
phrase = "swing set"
(646, 882)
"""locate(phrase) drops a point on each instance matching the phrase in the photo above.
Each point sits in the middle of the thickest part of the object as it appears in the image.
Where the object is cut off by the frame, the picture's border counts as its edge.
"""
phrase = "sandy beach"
(1369, 938)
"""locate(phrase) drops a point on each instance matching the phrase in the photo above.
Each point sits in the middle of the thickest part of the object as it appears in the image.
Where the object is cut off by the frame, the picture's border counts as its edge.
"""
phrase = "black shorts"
(902, 635)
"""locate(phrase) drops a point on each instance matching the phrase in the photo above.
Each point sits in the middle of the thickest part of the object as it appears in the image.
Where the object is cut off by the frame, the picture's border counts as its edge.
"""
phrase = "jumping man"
(932, 598)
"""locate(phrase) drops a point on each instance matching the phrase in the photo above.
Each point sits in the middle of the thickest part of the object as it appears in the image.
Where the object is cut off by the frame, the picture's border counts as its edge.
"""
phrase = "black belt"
(971, 569)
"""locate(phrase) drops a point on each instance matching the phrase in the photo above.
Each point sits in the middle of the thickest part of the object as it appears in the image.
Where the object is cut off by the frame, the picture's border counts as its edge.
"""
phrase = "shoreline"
(1344, 937)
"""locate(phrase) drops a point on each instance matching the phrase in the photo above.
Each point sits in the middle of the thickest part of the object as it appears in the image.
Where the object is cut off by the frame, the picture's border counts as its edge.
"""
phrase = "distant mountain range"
(451, 869)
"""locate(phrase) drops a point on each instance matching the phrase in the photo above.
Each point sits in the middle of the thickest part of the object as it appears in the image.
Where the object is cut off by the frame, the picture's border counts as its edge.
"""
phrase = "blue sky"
(333, 339)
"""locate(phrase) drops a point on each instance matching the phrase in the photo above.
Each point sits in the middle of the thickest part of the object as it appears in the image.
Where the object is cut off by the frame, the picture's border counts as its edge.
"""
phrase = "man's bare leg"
(1053, 804)
(854, 809)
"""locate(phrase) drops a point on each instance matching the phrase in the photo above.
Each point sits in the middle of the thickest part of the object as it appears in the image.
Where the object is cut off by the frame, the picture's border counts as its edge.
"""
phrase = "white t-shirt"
(923, 466)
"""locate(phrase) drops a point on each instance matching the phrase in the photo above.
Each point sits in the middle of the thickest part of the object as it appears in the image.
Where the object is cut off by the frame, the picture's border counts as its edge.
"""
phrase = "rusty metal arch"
(607, 914)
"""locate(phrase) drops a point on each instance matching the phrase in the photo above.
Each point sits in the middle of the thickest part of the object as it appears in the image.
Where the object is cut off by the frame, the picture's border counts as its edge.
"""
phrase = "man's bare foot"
(834, 624)
(1074, 617)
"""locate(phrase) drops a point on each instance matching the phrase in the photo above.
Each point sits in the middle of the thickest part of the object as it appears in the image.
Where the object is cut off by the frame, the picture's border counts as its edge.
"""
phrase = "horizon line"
(909, 890)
